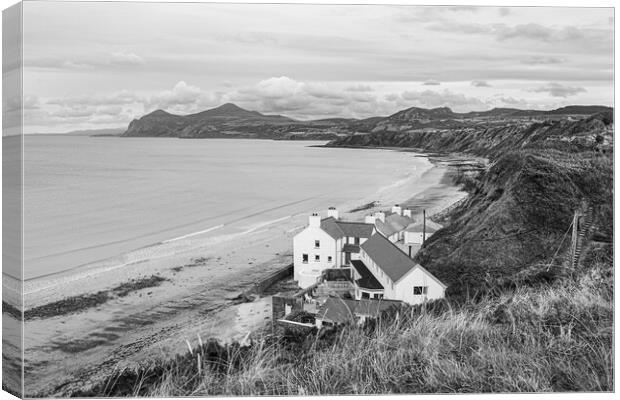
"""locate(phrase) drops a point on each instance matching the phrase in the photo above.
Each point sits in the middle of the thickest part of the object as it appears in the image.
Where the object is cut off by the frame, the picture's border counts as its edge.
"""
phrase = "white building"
(383, 271)
(414, 232)
(391, 224)
(326, 243)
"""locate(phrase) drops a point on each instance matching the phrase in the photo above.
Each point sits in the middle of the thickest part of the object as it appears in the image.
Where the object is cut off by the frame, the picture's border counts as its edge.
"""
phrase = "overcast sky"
(97, 65)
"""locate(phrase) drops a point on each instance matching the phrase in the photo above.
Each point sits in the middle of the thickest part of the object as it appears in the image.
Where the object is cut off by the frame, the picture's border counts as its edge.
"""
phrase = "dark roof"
(336, 309)
(330, 225)
(398, 222)
(419, 226)
(351, 248)
(338, 229)
(388, 257)
(374, 307)
(385, 229)
(337, 274)
(356, 229)
(368, 280)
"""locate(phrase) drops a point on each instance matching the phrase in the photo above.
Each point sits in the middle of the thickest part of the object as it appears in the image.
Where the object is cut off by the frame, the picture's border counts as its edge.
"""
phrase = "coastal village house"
(376, 266)
(326, 243)
(419, 232)
(384, 271)
(392, 224)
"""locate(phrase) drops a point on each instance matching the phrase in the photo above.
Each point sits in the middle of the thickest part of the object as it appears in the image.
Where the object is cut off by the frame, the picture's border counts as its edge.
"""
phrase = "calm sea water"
(89, 198)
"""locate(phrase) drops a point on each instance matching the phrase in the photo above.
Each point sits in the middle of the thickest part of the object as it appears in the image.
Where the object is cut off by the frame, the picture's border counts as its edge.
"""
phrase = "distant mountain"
(227, 120)
(232, 121)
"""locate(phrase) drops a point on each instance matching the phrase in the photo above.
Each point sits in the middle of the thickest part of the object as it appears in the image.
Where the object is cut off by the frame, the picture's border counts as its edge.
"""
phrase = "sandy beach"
(199, 278)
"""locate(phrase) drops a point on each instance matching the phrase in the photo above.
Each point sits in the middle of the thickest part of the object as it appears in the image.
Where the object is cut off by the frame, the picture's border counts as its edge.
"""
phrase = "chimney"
(396, 209)
(407, 213)
(332, 212)
(369, 219)
(314, 220)
(380, 215)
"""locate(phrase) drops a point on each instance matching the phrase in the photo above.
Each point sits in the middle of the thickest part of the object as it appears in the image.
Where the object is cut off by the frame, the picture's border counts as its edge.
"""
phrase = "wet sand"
(193, 299)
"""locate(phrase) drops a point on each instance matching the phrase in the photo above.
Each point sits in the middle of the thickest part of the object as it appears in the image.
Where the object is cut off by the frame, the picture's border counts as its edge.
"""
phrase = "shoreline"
(191, 299)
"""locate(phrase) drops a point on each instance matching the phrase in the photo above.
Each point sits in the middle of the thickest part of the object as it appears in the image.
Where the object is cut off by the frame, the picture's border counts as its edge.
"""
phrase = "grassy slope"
(554, 337)
(549, 330)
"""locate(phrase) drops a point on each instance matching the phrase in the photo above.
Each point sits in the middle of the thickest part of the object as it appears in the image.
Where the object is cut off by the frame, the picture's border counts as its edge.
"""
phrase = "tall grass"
(555, 337)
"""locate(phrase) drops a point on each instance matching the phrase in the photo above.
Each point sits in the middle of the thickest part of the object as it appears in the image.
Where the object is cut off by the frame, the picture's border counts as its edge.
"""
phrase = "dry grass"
(554, 337)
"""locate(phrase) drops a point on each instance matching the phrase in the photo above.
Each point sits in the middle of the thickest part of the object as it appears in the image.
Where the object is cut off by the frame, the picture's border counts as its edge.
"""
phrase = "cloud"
(431, 82)
(557, 90)
(433, 99)
(359, 88)
(117, 98)
(480, 84)
(182, 98)
(542, 60)
(471, 9)
(97, 61)
(531, 32)
(121, 58)
(307, 100)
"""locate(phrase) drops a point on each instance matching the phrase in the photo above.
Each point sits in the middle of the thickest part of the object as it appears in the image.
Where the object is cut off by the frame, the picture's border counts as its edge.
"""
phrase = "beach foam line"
(194, 234)
(263, 224)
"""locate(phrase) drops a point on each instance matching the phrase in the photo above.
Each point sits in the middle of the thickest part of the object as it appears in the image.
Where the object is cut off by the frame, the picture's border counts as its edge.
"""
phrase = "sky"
(100, 65)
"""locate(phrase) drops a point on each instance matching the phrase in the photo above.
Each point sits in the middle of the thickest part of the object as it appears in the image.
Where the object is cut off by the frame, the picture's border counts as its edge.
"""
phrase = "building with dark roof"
(391, 224)
(339, 311)
(419, 232)
(327, 243)
(400, 276)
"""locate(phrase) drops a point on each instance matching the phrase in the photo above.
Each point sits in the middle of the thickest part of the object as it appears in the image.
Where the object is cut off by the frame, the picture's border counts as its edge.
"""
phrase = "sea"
(90, 198)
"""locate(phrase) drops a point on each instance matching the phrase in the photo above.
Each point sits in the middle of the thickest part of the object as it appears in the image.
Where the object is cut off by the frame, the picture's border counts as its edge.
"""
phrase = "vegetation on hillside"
(517, 318)
(555, 337)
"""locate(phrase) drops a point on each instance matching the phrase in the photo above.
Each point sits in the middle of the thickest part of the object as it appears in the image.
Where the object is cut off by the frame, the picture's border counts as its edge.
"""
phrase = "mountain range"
(232, 121)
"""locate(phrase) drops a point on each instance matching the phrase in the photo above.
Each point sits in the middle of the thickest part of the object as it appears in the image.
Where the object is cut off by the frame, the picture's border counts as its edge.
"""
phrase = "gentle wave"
(194, 234)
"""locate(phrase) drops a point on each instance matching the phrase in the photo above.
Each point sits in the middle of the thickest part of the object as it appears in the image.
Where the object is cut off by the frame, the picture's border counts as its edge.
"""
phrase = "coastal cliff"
(520, 207)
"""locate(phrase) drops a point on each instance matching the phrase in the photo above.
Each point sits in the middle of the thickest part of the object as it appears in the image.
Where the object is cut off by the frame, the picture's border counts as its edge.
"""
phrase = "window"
(317, 244)
(317, 258)
(357, 240)
(365, 295)
(329, 258)
(420, 290)
(304, 258)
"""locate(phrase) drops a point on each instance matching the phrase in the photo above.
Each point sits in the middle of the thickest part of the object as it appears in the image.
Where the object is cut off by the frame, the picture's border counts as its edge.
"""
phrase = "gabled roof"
(385, 229)
(331, 227)
(336, 309)
(388, 257)
(356, 229)
(338, 229)
(398, 222)
(391, 259)
(431, 227)
(367, 280)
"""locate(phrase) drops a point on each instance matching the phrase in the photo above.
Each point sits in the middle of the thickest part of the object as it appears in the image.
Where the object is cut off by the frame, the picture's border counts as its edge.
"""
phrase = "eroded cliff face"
(487, 138)
(521, 206)
(520, 209)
